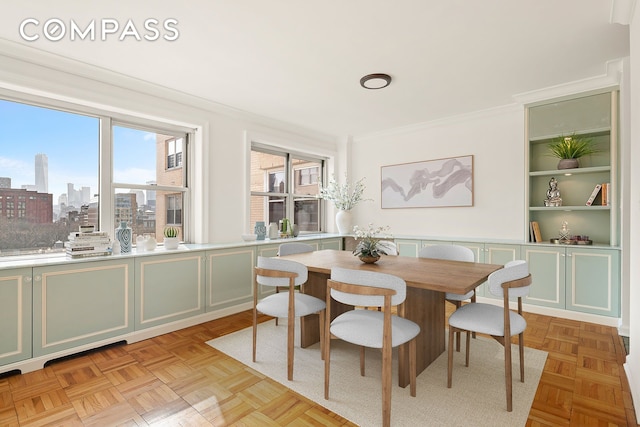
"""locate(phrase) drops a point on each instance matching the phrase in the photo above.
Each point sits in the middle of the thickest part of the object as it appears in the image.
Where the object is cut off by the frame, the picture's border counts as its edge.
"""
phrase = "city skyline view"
(71, 143)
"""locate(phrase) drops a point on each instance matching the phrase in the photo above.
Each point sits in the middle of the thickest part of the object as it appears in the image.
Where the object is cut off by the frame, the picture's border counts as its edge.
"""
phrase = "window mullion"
(106, 190)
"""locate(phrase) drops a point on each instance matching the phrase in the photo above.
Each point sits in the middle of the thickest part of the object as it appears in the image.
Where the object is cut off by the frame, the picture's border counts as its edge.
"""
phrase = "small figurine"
(564, 231)
(553, 194)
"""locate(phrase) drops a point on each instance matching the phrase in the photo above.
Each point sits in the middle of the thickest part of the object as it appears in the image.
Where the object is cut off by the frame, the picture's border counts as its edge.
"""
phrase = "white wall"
(495, 138)
(632, 366)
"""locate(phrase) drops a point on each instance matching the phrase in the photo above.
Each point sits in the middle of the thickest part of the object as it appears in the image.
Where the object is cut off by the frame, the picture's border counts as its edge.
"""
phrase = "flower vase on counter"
(123, 234)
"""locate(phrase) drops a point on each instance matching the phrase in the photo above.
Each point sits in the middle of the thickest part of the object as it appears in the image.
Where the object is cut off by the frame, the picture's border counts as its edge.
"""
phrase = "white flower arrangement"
(345, 197)
(370, 243)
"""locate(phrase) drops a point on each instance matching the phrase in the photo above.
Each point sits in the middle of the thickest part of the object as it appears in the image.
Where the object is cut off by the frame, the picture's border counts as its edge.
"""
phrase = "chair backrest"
(390, 247)
(281, 265)
(447, 252)
(512, 270)
(294, 248)
(368, 278)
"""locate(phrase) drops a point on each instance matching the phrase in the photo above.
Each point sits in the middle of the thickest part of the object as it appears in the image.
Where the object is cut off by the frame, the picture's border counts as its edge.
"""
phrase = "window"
(51, 179)
(174, 153)
(285, 185)
(149, 194)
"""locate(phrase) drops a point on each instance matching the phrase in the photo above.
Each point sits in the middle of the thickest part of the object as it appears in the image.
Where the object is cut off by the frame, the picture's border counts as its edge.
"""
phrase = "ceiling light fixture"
(375, 81)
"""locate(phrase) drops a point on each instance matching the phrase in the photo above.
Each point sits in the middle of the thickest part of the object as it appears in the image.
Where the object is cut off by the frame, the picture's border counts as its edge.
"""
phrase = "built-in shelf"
(590, 132)
(557, 172)
(570, 208)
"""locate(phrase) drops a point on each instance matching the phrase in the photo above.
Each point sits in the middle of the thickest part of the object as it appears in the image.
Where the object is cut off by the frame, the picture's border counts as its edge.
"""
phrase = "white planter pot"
(343, 222)
(171, 242)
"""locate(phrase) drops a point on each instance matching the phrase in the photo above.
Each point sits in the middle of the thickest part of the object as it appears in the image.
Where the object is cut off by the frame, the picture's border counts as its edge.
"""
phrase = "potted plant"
(344, 197)
(570, 148)
(370, 243)
(171, 239)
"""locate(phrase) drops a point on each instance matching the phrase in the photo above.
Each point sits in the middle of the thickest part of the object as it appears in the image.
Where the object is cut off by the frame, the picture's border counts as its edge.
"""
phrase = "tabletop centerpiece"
(344, 197)
(370, 242)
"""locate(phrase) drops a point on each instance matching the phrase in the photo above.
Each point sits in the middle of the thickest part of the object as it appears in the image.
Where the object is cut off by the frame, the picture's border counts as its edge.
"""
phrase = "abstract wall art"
(427, 184)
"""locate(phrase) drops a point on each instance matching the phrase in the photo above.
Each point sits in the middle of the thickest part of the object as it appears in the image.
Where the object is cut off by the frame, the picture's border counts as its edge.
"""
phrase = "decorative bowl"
(249, 237)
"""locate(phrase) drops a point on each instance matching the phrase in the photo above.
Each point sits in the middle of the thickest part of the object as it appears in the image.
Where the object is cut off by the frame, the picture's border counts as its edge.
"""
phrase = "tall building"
(42, 173)
(5, 182)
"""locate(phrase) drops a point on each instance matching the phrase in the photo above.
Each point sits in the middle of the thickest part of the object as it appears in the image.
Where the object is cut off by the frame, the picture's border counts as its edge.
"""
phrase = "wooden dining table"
(427, 281)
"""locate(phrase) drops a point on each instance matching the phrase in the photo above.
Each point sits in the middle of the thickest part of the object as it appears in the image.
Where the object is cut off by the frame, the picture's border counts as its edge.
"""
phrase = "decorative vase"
(343, 222)
(369, 259)
(123, 234)
(115, 247)
(568, 164)
(274, 232)
(261, 230)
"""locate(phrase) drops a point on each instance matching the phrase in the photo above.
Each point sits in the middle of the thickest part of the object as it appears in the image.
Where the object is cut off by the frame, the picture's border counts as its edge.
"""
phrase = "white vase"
(343, 222)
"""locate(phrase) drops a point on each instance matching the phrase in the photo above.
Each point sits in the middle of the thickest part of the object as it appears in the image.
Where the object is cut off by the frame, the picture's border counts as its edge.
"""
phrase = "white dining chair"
(291, 304)
(452, 253)
(369, 328)
(500, 322)
(294, 248)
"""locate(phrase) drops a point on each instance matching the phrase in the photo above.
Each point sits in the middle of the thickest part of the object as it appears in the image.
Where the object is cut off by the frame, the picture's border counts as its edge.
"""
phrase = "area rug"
(477, 397)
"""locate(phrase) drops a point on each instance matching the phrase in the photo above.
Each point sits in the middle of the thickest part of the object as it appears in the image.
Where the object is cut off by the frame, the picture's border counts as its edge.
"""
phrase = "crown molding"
(608, 81)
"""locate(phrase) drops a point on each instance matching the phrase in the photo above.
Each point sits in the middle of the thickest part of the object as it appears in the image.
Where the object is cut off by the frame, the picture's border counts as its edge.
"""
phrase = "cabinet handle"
(27, 279)
(37, 278)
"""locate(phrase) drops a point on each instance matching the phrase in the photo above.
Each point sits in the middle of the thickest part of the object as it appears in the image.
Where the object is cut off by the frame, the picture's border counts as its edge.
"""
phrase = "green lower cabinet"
(268, 250)
(331, 244)
(229, 277)
(15, 315)
(408, 247)
(497, 253)
(81, 303)
(593, 281)
(547, 268)
(575, 278)
(169, 288)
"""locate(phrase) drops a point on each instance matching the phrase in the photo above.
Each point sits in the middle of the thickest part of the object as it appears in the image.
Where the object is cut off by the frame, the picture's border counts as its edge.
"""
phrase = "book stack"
(535, 236)
(85, 245)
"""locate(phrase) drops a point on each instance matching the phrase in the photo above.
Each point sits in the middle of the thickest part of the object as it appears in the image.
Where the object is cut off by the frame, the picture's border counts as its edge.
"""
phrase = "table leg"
(426, 308)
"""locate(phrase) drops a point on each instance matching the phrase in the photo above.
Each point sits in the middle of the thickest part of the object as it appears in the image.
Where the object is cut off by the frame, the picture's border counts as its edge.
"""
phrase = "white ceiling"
(301, 61)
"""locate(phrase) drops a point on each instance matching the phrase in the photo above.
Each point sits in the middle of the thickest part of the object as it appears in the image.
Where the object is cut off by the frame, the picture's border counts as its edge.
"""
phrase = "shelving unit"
(593, 116)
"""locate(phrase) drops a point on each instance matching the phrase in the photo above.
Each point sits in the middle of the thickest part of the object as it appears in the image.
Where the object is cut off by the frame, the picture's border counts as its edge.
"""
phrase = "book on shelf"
(606, 194)
(88, 254)
(537, 235)
(594, 194)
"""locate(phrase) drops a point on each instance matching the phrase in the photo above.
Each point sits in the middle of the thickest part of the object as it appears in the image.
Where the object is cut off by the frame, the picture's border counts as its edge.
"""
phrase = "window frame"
(106, 187)
(289, 196)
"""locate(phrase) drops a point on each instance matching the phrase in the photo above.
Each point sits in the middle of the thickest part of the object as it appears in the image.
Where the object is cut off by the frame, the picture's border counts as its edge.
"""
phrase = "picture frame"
(444, 182)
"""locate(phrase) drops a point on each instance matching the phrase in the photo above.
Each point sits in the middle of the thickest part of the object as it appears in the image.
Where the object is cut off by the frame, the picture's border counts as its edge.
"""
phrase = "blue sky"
(70, 142)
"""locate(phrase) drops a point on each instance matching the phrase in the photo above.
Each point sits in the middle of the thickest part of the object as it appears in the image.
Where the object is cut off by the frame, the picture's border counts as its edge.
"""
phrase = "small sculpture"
(553, 194)
(564, 231)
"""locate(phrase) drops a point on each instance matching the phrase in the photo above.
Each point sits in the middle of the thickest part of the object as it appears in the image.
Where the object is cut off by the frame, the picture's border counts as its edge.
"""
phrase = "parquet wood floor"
(176, 379)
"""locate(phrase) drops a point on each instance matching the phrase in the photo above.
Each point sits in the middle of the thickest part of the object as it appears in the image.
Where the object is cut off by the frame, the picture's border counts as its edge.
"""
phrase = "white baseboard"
(634, 385)
(36, 363)
(564, 314)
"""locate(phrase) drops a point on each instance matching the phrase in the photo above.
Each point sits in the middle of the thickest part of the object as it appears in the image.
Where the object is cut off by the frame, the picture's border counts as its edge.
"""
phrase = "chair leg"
(450, 357)
(458, 304)
(255, 331)
(362, 361)
(412, 366)
(507, 372)
(466, 356)
(321, 315)
(327, 364)
(290, 337)
(521, 345)
(386, 386)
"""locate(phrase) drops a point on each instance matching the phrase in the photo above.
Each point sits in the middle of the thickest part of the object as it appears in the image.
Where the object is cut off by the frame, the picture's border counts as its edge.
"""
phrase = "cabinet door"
(331, 244)
(77, 304)
(477, 248)
(229, 277)
(547, 268)
(169, 288)
(268, 250)
(497, 254)
(15, 315)
(593, 281)
(408, 248)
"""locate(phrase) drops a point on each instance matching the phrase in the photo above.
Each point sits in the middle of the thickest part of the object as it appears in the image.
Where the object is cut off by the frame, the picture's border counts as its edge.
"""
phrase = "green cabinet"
(575, 278)
(331, 244)
(81, 303)
(169, 288)
(15, 315)
(229, 277)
